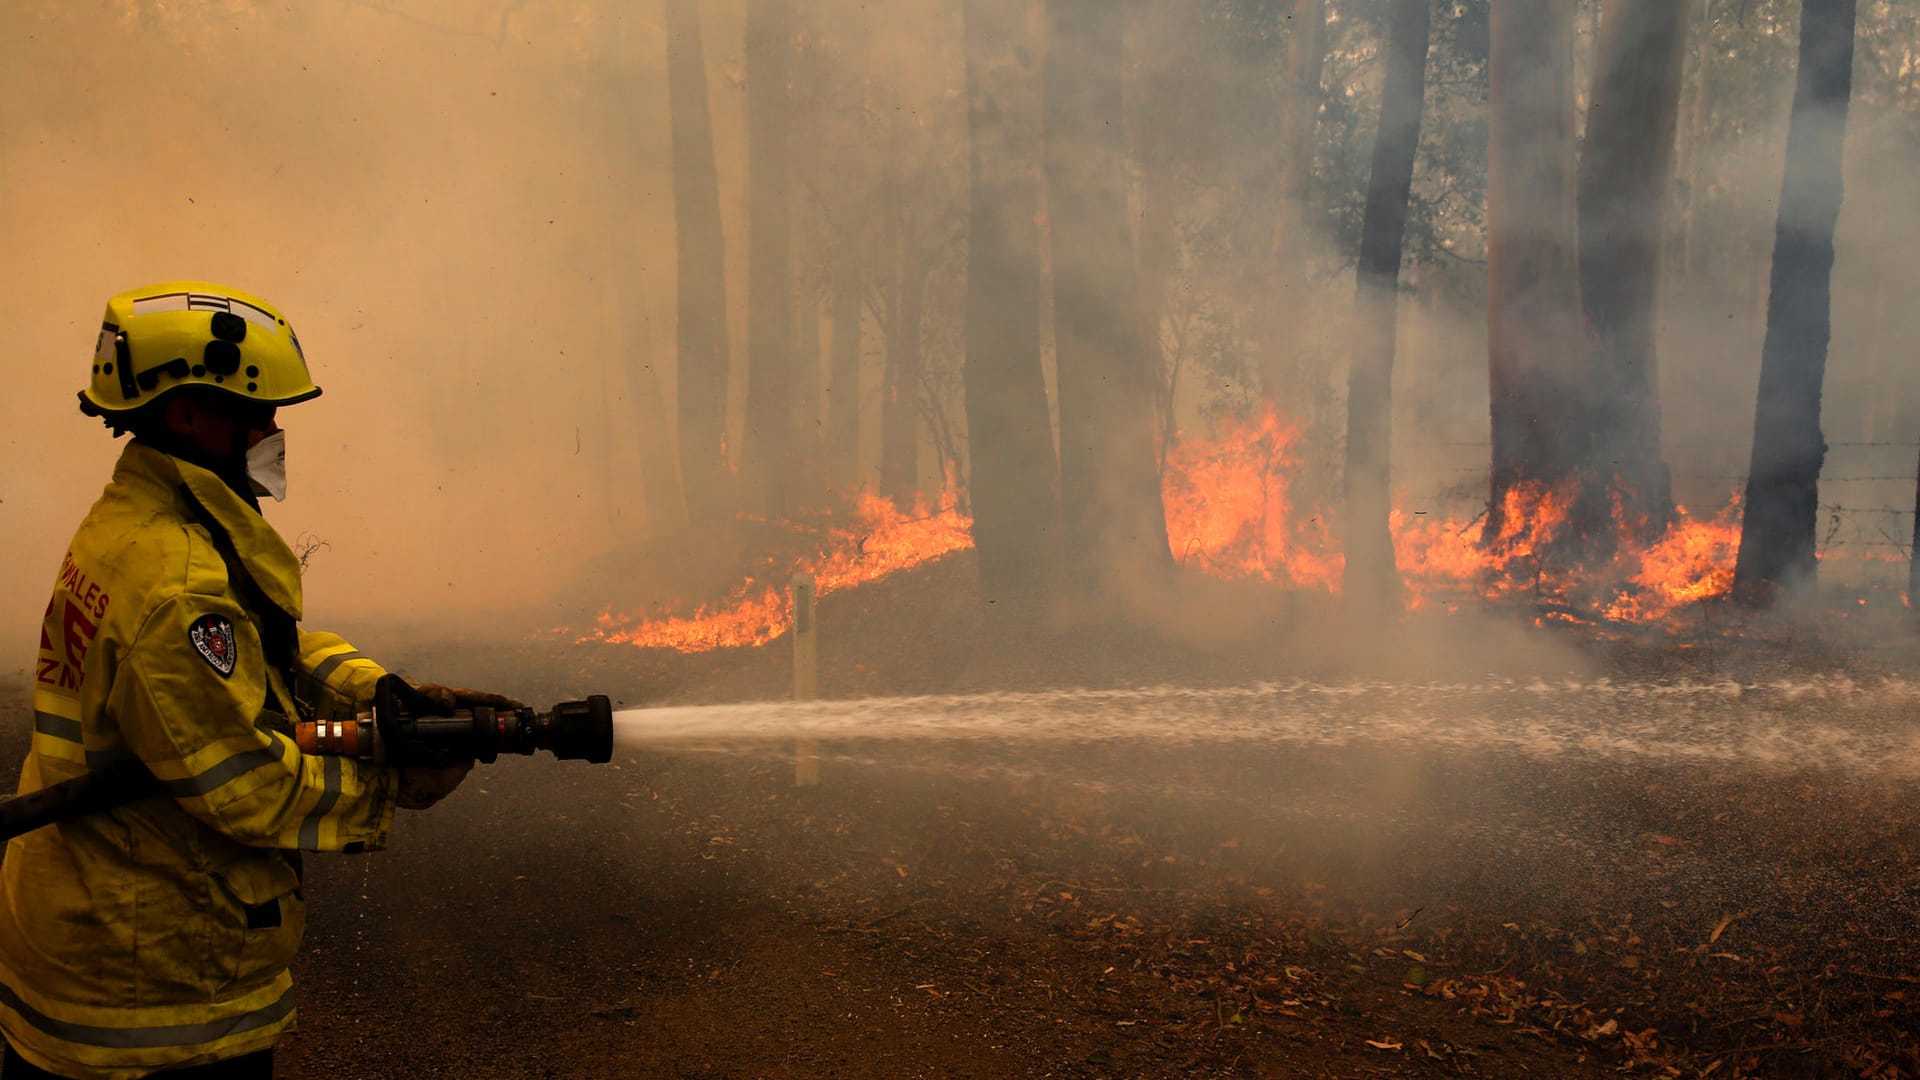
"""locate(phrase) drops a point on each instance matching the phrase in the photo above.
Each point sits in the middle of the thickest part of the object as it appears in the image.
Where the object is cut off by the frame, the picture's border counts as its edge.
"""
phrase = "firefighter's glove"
(422, 786)
(448, 698)
(407, 696)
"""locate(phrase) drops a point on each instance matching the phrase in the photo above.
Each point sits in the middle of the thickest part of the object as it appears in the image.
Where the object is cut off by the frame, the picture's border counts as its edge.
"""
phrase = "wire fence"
(1874, 526)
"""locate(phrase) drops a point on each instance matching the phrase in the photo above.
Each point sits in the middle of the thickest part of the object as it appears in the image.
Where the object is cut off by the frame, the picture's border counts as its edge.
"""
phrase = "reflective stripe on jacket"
(160, 933)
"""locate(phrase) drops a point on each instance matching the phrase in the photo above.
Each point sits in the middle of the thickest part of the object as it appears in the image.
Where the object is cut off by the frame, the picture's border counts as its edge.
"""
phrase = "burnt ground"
(1139, 907)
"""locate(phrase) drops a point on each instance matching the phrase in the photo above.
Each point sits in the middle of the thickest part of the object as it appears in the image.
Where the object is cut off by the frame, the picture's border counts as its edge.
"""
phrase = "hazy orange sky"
(472, 237)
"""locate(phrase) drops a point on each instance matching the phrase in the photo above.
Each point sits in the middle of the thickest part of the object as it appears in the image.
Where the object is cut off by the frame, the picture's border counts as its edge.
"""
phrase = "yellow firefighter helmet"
(157, 339)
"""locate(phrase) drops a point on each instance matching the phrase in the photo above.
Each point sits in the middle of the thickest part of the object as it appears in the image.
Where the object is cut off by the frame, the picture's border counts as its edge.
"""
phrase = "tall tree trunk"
(1626, 173)
(1154, 116)
(1306, 60)
(853, 271)
(1371, 583)
(1698, 122)
(1783, 481)
(1534, 358)
(701, 330)
(666, 504)
(1115, 524)
(1009, 431)
(843, 379)
(805, 420)
(1290, 308)
(771, 451)
(809, 434)
(900, 409)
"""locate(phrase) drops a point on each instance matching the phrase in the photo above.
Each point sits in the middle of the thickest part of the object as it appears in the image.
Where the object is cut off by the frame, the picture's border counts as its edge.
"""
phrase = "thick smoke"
(467, 213)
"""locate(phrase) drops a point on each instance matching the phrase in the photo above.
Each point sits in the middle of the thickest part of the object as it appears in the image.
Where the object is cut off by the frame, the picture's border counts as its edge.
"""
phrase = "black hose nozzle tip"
(582, 730)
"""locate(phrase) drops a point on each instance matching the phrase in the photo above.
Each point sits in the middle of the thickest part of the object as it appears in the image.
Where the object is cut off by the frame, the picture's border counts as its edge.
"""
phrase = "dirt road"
(1345, 905)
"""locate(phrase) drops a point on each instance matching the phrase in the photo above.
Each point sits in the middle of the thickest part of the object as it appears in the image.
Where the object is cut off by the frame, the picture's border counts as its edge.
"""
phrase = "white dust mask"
(267, 466)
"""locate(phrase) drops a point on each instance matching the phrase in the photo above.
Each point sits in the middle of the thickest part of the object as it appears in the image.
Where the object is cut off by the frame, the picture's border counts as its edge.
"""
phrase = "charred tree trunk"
(808, 433)
(1115, 524)
(1009, 431)
(1289, 305)
(805, 421)
(1783, 481)
(900, 408)
(1698, 120)
(770, 453)
(1371, 581)
(666, 503)
(843, 379)
(1153, 122)
(1306, 60)
(1534, 342)
(1626, 172)
(701, 329)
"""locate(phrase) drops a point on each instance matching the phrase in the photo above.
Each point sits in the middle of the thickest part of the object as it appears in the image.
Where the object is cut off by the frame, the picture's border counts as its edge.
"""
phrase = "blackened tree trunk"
(900, 408)
(1306, 60)
(772, 450)
(1626, 172)
(1155, 114)
(1700, 116)
(805, 161)
(1114, 523)
(843, 376)
(1783, 481)
(1290, 307)
(1371, 582)
(1009, 430)
(701, 329)
(660, 482)
(1535, 359)
(808, 386)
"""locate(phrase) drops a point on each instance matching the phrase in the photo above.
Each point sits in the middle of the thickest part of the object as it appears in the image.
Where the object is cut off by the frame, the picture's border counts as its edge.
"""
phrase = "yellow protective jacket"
(160, 933)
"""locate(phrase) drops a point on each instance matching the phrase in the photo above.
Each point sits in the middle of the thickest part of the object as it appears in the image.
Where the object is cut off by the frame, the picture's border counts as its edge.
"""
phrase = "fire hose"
(387, 734)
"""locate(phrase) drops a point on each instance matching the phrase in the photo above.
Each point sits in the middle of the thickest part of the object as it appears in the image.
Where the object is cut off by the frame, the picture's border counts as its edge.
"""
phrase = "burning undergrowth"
(1233, 515)
(869, 540)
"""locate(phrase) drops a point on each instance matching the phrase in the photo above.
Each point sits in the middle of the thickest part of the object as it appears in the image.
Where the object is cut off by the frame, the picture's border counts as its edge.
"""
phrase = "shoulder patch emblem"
(212, 637)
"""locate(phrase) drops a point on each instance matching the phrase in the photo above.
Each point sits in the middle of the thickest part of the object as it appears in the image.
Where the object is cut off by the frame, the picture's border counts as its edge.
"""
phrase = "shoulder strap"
(279, 632)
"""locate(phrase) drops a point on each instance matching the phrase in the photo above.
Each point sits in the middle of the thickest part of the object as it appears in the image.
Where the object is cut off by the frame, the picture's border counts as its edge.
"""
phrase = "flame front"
(881, 541)
(1230, 508)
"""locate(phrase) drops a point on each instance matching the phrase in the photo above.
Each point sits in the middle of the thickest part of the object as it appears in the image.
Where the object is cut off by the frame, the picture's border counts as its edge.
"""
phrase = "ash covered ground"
(1476, 849)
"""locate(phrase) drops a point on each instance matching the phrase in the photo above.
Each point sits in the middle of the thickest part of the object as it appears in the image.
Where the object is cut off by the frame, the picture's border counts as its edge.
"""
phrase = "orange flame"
(882, 540)
(1230, 509)
(1692, 561)
(1230, 514)
(1449, 555)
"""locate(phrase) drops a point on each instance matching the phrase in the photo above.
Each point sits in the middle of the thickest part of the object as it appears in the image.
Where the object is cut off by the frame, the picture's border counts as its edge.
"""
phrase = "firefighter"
(157, 936)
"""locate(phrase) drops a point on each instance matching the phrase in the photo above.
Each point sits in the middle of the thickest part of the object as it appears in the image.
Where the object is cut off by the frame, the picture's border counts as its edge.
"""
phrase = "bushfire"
(1231, 513)
(880, 540)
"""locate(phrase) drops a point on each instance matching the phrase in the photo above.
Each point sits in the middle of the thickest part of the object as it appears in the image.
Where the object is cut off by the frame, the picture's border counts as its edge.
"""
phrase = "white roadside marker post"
(806, 752)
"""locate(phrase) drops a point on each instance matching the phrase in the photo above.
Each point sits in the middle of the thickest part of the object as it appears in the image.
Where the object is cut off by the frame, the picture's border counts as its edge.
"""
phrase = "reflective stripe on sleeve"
(59, 727)
(332, 663)
(310, 828)
(146, 1037)
(238, 765)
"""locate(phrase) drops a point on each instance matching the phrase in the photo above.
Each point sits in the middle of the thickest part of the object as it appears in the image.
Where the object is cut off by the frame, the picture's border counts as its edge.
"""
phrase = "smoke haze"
(472, 237)
(466, 211)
